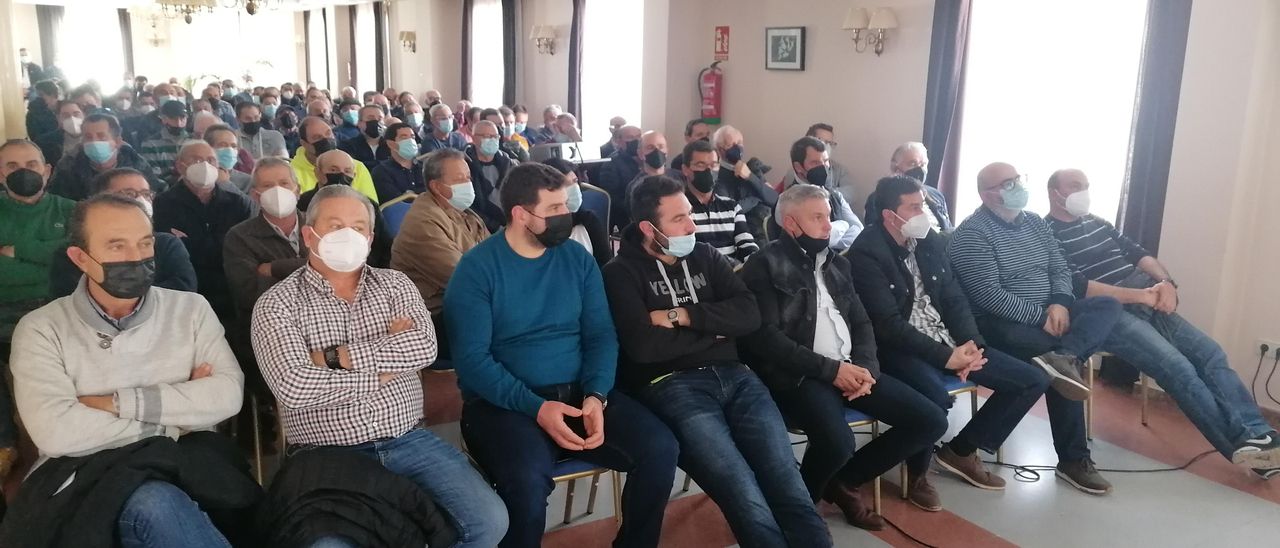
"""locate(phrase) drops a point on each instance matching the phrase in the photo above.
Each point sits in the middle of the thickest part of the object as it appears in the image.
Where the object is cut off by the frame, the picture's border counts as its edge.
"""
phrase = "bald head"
(194, 149)
(994, 181)
(994, 173)
(653, 141)
(334, 161)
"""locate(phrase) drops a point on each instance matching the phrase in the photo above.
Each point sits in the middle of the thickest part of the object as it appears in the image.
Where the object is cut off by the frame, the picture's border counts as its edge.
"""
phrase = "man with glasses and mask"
(489, 167)
(912, 159)
(718, 220)
(1020, 290)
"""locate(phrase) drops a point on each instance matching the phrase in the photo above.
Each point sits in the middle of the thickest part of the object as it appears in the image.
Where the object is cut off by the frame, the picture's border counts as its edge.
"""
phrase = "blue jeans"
(519, 456)
(1193, 369)
(1092, 321)
(159, 514)
(446, 475)
(734, 443)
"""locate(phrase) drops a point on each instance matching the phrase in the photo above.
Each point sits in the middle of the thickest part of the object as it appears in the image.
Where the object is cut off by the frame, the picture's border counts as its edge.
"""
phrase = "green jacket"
(35, 232)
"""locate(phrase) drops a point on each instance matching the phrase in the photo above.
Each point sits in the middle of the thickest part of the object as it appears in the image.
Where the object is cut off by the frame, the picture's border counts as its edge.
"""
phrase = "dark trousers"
(817, 408)
(442, 337)
(1091, 322)
(519, 457)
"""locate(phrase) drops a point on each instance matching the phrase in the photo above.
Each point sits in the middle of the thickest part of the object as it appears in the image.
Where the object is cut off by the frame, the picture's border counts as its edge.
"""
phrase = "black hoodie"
(720, 306)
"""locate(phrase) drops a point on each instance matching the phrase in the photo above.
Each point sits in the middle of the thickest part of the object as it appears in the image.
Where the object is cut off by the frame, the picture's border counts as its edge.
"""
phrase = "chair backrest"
(393, 214)
(597, 201)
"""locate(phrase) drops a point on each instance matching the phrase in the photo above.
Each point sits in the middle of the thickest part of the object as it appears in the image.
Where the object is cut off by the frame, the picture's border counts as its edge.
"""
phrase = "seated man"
(226, 148)
(369, 147)
(838, 177)
(694, 130)
(102, 150)
(1019, 287)
(536, 355)
(316, 137)
(438, 131)
(200, 210)
(743, 183)
(348, 119)
(811, 164)
(64, 140)
(719, 221)
(489, 166)
(623, 168)
(173, 263)
(398, 174)
(679, 310)
(337, 168)
(120, 361)
(437, 231)
(652, 156)
(161, 148)
(1150, 334)
(818, 356)
(927, 334)
(341, 344)
(911, 159)
(256, 135)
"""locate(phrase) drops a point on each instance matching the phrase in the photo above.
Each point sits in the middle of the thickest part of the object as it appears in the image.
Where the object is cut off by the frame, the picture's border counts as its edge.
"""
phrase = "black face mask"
(811, 245)
(324, 145)
(816, 176)
(559, 227)
(251, 128)
(655, 159)
(433, 103)
(373, 129)
(734, 154)
(337, 179)
(24, 182)
(632, 148)
(918, 173)
(174, 131)
(127, 279)
(704, 181)
(287, 122)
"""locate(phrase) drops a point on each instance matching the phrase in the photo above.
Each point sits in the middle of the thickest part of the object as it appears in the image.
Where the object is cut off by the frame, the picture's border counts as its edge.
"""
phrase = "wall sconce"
(409, 41)
(545, 37)
(881, 20)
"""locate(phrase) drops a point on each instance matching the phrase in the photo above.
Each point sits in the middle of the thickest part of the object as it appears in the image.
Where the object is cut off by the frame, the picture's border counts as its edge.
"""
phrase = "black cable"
(1253, 386)
(906, 534)
(1030, 473)
(1274, 364)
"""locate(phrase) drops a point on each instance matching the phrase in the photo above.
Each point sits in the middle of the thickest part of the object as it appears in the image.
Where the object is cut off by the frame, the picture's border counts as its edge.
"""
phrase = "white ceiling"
(292, 5)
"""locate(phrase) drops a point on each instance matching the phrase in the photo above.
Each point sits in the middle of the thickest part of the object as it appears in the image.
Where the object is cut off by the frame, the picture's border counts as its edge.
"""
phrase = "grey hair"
(434, 109)
(273, 161)
(190, 144)
(336, 191)
(483, 122)
(903, 148)
(722, 134)
(796, 195)
(433, 165)
(552, 108)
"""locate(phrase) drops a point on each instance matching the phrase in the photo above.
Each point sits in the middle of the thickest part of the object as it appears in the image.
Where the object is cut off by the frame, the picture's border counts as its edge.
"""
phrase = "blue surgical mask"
(227, 157)
(98, 151)
(463, 195)
(1015, 199)
(408, 148)
(677, 246)
(445, 126)
(562, 138)
(489, 146)
(520, 127)
(414, 119)
(575, 198)
(162, 99)
(269, 110)
(350, 116)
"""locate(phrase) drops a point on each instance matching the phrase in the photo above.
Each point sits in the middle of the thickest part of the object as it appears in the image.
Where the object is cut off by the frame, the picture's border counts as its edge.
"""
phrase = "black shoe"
(1266, 473)
(1261, 452)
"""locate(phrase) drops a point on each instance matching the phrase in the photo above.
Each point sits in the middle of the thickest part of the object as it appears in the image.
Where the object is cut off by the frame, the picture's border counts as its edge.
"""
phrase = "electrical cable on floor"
(906, 534)
(1274, 365)
(1253, 386)
(1030, 473)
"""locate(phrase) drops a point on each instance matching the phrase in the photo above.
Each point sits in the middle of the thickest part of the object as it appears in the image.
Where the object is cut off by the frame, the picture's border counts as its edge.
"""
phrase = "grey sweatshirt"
(58, 355)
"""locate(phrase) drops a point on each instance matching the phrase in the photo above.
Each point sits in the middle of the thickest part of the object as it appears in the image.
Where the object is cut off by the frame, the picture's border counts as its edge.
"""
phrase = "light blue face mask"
(562, 138)
(98, 151)
(575, 198)
(414, 119)
(520, 127)
(269, 110)
(162, 99)
(463, 195)
(489, 146)
(351, 116)
(408, 148)
(445, 126)
(677, 246)
(1015, 199)
(227, 157)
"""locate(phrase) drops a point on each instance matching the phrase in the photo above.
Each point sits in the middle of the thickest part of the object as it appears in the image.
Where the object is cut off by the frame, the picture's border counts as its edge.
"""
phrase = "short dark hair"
(694, 147)
(242, 105)
(519, 109)
(25, 142)
(813, 129)
(368, 95)
(76, 236)
(101, 181)
(66, 103)
(888, 194)
(302, 126)
(688, 127)
(47, 87)
(209, 131)
(390, 134)
(113, 123)
(521, 185)
(800, 148)
(348, 103)
(562, 165)
(489, 112)
(85, 89)
(648, 194)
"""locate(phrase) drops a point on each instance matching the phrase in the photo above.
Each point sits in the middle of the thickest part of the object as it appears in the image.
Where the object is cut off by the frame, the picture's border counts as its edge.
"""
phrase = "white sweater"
(58, 356)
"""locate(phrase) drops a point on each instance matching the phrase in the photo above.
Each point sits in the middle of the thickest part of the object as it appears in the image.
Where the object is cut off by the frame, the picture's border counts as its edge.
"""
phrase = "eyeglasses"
(138, 194)
(831, 144)
(1008, 184)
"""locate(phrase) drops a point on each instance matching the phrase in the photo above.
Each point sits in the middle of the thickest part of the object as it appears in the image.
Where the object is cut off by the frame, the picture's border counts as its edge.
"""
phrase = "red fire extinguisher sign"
(722, 44)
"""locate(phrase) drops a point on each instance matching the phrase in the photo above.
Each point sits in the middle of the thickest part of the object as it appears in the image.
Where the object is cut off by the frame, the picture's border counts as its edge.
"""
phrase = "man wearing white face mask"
(63, 141)
(341, 343)
(438, 229)
(1150, 334)
(200, 210)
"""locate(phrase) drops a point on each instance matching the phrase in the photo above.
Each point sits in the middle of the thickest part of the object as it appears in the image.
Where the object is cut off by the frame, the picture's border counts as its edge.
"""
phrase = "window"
(317, 49)
(487, 64)
(106, 62)
(612, 54)
(1050, 86)
(366, 45)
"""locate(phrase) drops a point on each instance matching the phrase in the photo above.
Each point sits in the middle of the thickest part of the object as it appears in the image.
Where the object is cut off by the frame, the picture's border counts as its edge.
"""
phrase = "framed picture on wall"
(784, 48)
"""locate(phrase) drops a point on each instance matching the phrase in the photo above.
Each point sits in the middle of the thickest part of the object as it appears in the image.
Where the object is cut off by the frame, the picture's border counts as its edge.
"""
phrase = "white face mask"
(1078, 203)
(917, 227)
(343, 250)
(278, 202)
(201, 174)
(72, 125)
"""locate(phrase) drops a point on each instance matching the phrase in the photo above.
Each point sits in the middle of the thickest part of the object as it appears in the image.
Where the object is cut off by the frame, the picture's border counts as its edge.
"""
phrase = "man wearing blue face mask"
(438, 133)
(349, 113)
(489, 165)
(396, 175)
(102, 149)
(437, 231)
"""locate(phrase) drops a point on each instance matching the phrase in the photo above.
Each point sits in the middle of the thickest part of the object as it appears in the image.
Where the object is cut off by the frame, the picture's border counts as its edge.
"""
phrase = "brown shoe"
(1064, 372)
(970, 468)
(922, 494)
(1083, 476)
(849, 501)
(8, 458)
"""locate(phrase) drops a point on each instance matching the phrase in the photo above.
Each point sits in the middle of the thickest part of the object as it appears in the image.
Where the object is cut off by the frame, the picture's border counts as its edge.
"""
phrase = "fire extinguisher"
(710, 88)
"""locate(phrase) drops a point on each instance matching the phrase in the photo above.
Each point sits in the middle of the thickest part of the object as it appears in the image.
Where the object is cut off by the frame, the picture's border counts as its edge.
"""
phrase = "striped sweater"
(1099, 251)
(722, 225)
(1011, 271)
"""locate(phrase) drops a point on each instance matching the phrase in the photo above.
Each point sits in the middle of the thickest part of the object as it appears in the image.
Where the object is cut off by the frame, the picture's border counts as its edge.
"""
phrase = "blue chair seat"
(393, 215)
(852, 416)
(568, 467)
(954, 385)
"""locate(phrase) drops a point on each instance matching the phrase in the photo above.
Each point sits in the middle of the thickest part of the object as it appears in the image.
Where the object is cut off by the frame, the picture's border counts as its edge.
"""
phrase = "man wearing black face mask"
(911, 159)
(161, 149)
(740, 182)
(254, 134)
(624, 164)
(811, 164)
(368, 148)
(286, 123)
(712, 212)
(317, 138)
(653, 161)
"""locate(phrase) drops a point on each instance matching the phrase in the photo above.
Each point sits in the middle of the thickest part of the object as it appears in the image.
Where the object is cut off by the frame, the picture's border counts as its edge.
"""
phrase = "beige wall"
(546, 77)
(438, 61)
(1221, 238)
(26, 31)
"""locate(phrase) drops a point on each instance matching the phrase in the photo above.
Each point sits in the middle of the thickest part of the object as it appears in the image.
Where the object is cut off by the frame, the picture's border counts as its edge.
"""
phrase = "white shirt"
(831, 336)
(580, 235)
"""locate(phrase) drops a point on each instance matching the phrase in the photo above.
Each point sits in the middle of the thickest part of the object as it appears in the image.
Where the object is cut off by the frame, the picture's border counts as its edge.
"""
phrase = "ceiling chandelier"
(184, 9)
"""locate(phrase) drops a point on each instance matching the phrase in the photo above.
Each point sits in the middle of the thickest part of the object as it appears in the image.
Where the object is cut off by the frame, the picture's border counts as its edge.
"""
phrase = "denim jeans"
(519, 457)
(734, 443)
(1193, 369)
(1092, 320)
(818, 408)
(160, 515)
(445, 474)
(1016, 387)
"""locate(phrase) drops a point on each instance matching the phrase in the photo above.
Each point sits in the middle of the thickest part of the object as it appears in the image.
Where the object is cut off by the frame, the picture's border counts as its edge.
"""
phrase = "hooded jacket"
(720, 307)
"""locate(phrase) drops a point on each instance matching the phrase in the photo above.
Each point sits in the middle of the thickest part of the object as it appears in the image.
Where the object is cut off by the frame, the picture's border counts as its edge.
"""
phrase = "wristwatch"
(673, 316)
(331, 358)
(604, 400)
(1171, 282)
